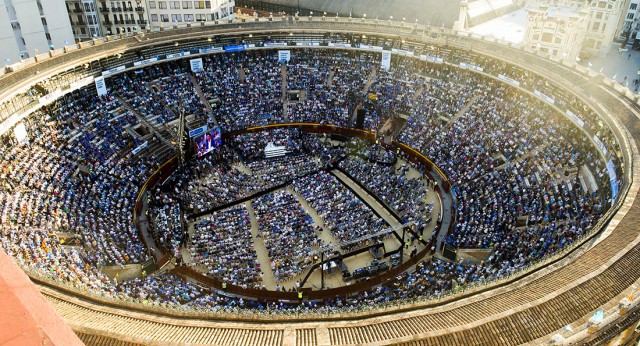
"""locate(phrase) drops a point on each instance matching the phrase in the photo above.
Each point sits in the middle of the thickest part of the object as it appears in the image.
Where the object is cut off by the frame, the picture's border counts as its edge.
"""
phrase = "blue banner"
(234, 48)
(198, 131)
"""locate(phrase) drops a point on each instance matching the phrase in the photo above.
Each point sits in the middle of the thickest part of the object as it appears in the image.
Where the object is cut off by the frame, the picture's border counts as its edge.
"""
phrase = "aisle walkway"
(368, 199)
(325, 236)
(268, 279)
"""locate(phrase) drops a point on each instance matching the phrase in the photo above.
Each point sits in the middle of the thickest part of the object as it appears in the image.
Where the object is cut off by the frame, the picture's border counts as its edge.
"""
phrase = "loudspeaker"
(449, 253)
(360, 119)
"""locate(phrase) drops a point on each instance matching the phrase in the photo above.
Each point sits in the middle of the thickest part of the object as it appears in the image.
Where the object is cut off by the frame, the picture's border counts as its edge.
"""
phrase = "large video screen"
(208, 141)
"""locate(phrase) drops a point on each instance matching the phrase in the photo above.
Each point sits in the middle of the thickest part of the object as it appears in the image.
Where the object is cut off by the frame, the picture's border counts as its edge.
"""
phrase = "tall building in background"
(631, 25)
(606, 22)
(83, 15)
(605, 25)
(167, 13)
(558, 31)
(119, 17)
(29, 27)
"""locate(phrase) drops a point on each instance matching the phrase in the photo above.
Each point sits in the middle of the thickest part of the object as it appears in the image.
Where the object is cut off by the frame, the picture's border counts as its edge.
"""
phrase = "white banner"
(113, 70)
(340, 45)
(600, 145)
(509, 80)
(101, 86)
(471, 67)
(145, 62)
(139, 148)
(544, 97)
(20, 132)
(401, 52)
(575, 118)
(196, 65)
(613, 179)
(284, 55)
(386, 59)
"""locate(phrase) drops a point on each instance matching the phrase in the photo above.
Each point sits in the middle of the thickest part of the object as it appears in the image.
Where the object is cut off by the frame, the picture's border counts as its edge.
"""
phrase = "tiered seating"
(342, 212)
(407, 196)
(288, 232)
(222, 243)
(248, 89)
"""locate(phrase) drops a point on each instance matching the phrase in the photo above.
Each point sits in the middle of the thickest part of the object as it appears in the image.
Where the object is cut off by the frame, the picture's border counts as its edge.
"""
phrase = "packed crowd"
(407, 196)
(67, 182)
(346, 216)
(223, 244)
(513, 162)
(246, 88)
(288, 232)
(211, 181)
(158, 93)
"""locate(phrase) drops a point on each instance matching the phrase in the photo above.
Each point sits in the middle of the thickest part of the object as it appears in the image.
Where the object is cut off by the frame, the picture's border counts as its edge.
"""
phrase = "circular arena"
(321, 181)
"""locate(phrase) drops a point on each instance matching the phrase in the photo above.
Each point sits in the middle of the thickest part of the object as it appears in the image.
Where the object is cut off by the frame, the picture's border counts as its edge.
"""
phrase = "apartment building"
(166, 13)
(29, 27)
(558, 31)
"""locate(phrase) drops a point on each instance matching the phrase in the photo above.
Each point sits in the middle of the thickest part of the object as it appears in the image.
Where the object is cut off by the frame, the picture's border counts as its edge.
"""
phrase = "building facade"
(631, 20)
(605, 24)
(606, 21)
(167, 13)
(559, 32)
(83, 15)
(118, 17)
(29, 27)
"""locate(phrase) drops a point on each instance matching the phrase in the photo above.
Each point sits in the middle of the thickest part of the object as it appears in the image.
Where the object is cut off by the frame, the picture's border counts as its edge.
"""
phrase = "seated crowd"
(223, 244)
(516, 167)
(288, 232)
(406, 196)
(346, 216)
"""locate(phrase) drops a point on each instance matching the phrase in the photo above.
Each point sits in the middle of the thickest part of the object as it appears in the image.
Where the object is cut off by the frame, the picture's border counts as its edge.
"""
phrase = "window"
(547, 37)
(201, 17)
(188, 18)
(630, 16)
(595, 26)
(152, 4)
(164, 18)
(154, 17)
(44, 21)
(176, 18)
(174, 5)
(202, 4)
(162, 5)
(187, 5)
(633, 6)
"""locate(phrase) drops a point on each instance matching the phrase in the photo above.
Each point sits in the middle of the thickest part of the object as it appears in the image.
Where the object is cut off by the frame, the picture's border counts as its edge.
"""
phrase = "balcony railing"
(140, 9)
